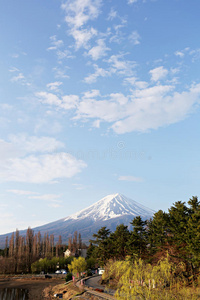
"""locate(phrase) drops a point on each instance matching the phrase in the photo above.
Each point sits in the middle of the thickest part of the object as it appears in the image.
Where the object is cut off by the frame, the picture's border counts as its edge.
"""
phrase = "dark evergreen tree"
(102, 249)
(193, 239)
(138, 238)
(157, 230)
(178, 218)
(119, 241)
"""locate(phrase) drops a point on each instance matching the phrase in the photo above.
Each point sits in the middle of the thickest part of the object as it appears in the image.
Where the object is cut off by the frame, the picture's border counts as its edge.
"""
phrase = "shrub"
(68, 277)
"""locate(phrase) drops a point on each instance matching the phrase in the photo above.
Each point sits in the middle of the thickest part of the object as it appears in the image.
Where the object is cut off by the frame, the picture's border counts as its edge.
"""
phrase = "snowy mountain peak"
(110, 211)
(110, 207)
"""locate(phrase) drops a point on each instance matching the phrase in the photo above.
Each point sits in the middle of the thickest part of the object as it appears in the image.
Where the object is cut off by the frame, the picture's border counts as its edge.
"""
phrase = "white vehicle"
(63, 271)
(101, 271)
(58, 272)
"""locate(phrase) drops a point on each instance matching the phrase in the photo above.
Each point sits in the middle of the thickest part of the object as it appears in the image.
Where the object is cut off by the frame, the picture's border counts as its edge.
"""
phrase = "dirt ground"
(39, 289)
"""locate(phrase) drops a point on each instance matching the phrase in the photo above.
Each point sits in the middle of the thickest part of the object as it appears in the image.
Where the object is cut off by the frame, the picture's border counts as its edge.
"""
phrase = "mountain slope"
(110, 211)
(110, 207)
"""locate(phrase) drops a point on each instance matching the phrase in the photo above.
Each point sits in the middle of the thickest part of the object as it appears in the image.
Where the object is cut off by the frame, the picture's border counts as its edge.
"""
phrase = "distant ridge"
(110, 211)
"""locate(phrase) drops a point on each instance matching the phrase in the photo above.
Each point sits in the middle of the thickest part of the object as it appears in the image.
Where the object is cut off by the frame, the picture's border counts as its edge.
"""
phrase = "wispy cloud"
(134, 37)
(132, 1)
(20, 78)
(46, 197)
(83, 36)
(146, 107)
(78, 14)
(65, 102)
(60, 73)
(99, 72)
(121, 66)
(28, 160)
(21, 192)
(158, 73)
(41, 169)
(55, 43)
(98, 51)
(54, 86)
(13, 69)
(112, 14)
(33, 144)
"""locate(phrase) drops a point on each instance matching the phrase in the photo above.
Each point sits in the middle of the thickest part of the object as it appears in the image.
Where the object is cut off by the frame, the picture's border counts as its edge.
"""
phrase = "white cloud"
(19, 77)
(146, 107)
(53, 86)
(48, 98)
(21, 192)
(96, 124)
(41, 169)
(82, 36)
(21, 145)
(121, 66)
(70, 101)
(13, 69)
(99, 72)
(130, 178)
(117, 65)
(112, 14)
(46, 197)
(27, 159)
(55, 43)
(91, 94)
(32, 144)
(130, 80)
(195, 54)
(119, 98)
(48, 126)
(64, 54)
(78, 14)
(134, 37)
(180, 54)
(132, 1)
(66, 102)
(158, 109)
(52, 199)
(7, 150)
(141, 84)
(158, 73)
(98, 51)
(138, 84)
(105, 110)
(60, 73)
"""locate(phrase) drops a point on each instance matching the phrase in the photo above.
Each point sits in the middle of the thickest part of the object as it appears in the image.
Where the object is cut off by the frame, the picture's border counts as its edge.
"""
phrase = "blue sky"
(97, 97)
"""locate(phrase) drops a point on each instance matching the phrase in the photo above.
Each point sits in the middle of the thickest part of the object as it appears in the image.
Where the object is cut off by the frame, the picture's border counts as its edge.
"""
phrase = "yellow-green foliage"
(115, 269)
(137, 280)
(77, 265)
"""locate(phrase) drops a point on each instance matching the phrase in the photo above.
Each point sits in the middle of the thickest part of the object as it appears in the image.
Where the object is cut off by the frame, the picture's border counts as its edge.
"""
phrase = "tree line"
(22, 251)
(176, 233)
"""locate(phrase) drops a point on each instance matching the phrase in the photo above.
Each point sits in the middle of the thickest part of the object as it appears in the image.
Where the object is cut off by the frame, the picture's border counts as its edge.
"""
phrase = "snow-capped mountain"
(110, 207)
(110, 211)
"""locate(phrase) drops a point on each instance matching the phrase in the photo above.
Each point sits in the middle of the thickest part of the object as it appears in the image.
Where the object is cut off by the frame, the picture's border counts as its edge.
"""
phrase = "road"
(94, 282)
